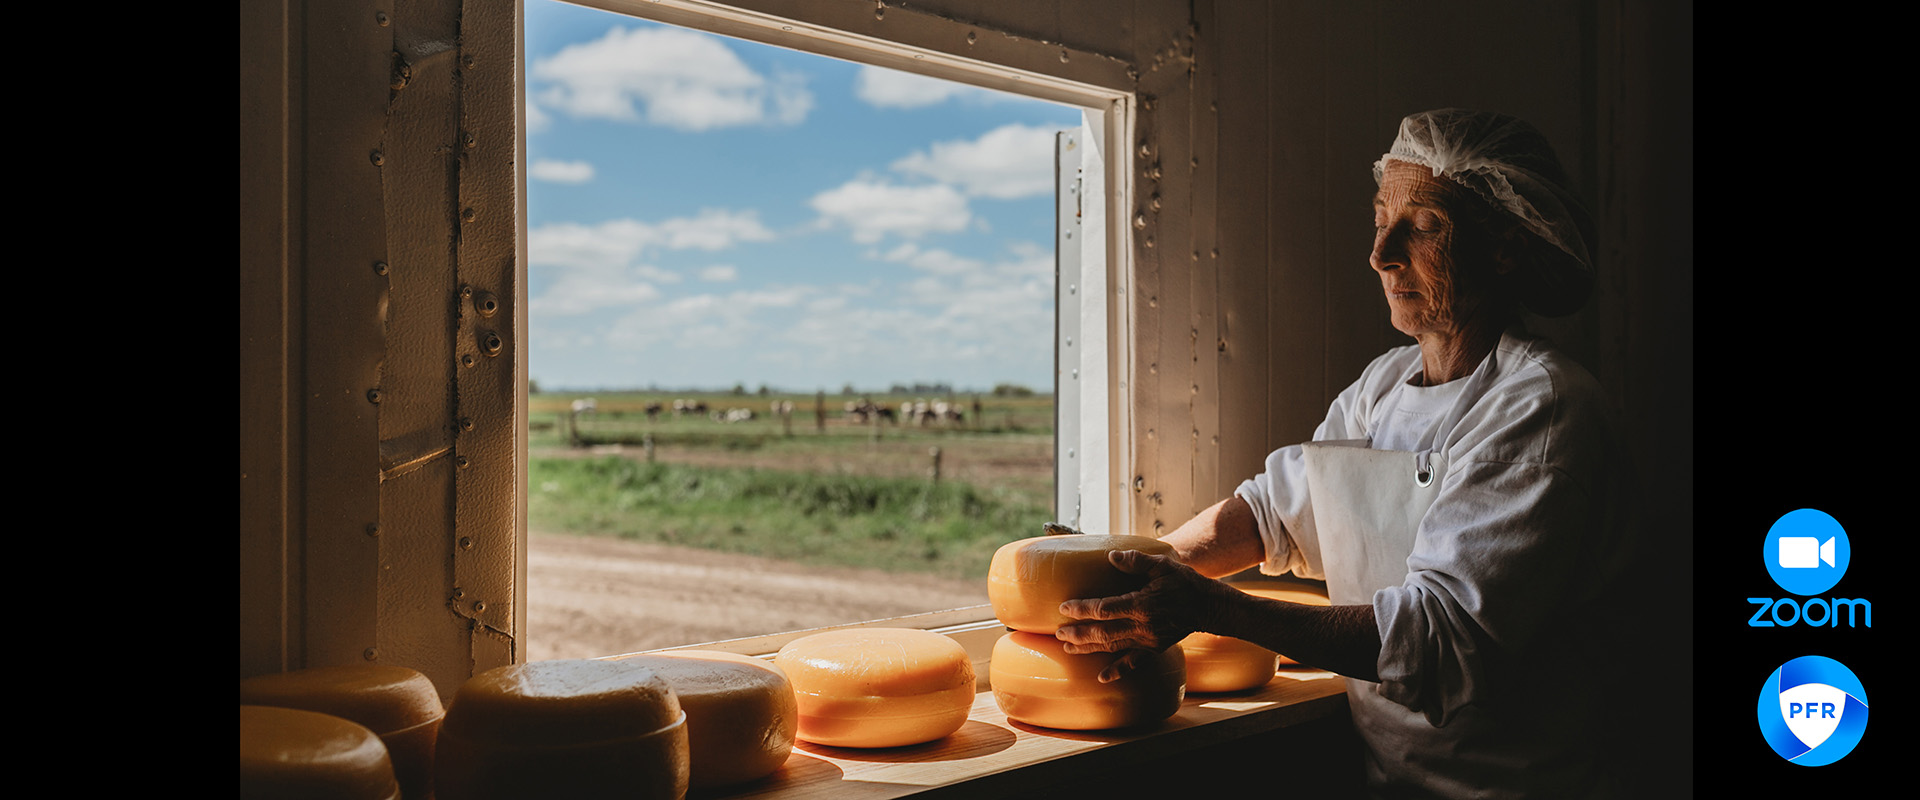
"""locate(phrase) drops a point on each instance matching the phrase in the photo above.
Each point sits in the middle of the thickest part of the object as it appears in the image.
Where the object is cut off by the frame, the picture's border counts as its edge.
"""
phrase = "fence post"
(935, 453)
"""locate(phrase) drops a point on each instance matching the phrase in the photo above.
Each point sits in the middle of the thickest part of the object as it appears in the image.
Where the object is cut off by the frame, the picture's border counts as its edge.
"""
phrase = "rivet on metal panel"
(1140, 221)
(466, 292)
(1070, 452)
(459, 593)
(1075, 374)
(381, 17)
(1149, 243)
(1153, 368)
(486, 303)
(1063, 56)
(491, 344)
(467, 139)
(1144, 149)
(468, 214)
(369, 654)
(1073, 288)
(1069, 341)
(1146, 104)
(1153, 302)
(879, 9)
(1196, 255)
(1158, 525)
(466, 423)
(1215, 253)
(479, 605)
(1139, 483)
(1195, 162)
(467, 360)
(460, 461)
(373, 396)
(402, 73)
(379, 267)
(466, 543)
(373, 529)
(1223, 345)
(1154, 201)
(1196, 390)
(378, 158)
(1153, 172)
(467, 61)
(1150, 433)
(970, 37)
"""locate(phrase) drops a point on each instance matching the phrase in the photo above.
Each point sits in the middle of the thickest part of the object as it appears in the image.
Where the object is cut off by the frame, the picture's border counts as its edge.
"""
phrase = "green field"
(813, 488)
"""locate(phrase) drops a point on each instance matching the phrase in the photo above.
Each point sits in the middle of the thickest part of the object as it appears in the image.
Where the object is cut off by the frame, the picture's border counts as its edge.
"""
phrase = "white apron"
(1367, 508)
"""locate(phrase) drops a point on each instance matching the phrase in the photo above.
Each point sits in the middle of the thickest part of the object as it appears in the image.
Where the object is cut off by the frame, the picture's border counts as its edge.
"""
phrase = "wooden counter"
(993, 757)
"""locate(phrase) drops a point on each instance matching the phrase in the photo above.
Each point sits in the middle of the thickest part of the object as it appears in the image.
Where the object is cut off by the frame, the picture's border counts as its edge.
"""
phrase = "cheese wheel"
(398, 704)
(1289, 592)
(291, 754)
(878, 687)
(741, 713)
(1030, 578)
(567, 728)
(1037, 682)
(1225, 664)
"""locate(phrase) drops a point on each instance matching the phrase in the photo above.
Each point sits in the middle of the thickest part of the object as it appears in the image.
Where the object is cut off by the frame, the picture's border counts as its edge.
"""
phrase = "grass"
(897, 524)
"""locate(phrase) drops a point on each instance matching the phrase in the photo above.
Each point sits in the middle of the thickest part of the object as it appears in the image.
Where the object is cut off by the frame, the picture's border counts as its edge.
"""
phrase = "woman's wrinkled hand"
(1174, 603)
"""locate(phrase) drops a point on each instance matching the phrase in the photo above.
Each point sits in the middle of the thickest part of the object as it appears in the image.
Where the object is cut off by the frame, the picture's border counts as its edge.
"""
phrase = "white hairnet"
(1509, 164)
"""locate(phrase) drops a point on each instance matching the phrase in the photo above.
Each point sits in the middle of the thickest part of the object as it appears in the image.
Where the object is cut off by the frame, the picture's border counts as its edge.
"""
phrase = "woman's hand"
(1175, 602)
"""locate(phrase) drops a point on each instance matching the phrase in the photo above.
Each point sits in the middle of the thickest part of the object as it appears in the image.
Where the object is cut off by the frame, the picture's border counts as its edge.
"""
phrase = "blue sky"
(704, 211)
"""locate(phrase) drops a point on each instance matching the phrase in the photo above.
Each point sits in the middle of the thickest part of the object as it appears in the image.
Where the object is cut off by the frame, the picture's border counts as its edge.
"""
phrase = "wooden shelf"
(991, 756)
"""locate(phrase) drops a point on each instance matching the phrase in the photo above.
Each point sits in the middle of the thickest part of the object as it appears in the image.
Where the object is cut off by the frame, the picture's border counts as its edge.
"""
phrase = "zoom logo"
(1806, 552)
(1812, 711)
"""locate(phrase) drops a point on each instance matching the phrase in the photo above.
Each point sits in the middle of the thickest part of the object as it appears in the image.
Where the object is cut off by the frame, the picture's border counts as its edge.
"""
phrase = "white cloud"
(546, 169)
(537, 120)
(938, 262)
(888, 88)
(672, 77)
(719, 274)
(619, 242)
(595, 266)
(1004, 163)
(872, 209)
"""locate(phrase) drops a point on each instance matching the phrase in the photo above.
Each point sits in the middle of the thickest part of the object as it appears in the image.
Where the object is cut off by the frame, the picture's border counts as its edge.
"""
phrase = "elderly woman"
(1454, 499)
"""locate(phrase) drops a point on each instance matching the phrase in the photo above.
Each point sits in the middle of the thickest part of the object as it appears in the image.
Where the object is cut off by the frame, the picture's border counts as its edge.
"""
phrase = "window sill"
(991, 756)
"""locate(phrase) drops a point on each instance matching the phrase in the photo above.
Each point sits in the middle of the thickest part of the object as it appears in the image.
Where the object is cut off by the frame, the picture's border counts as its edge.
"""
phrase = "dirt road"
(594, 596)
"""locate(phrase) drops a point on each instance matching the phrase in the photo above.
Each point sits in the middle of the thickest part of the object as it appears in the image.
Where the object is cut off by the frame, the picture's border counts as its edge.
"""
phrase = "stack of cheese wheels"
(878, 687)
(291, 754)
(741, 713)
(1225, 664)
(1037, 682)
(1034, 679)
(569, 728)
(398, 704)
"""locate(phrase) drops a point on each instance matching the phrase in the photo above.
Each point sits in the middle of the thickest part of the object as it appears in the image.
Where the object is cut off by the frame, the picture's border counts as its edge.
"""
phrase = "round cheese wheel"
(1037, 682)
(398, 704)
(291, 754)
(878, 687)
(1030, 578)
(1225, 664)
(1289, 592)
(741, 712)
(566, 728)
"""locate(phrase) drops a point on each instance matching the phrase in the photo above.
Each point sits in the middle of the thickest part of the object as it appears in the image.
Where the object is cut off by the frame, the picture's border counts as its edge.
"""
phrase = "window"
(587, 263)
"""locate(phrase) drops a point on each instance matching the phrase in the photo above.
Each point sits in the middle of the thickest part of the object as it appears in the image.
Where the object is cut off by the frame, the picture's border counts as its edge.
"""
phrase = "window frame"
(1102, 88)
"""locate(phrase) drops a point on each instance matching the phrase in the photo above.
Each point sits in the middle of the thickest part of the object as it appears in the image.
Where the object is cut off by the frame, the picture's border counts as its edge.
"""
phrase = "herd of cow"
(915, 412)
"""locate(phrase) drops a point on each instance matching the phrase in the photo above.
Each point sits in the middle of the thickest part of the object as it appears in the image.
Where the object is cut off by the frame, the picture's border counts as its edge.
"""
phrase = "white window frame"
(1102, 331)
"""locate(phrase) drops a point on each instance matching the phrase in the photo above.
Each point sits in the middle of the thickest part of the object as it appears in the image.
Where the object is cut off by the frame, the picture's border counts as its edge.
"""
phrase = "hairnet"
(1509, 164)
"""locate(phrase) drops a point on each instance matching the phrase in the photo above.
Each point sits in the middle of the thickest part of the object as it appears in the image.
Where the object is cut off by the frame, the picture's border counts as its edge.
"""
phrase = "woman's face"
(1415, 250)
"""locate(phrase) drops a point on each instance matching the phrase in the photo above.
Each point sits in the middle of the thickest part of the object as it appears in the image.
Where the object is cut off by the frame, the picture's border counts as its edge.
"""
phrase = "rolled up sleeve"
(1278, 497)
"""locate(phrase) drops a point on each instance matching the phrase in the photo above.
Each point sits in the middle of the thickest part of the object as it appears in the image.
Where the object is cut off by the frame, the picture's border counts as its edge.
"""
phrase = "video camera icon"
(1805, 552)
